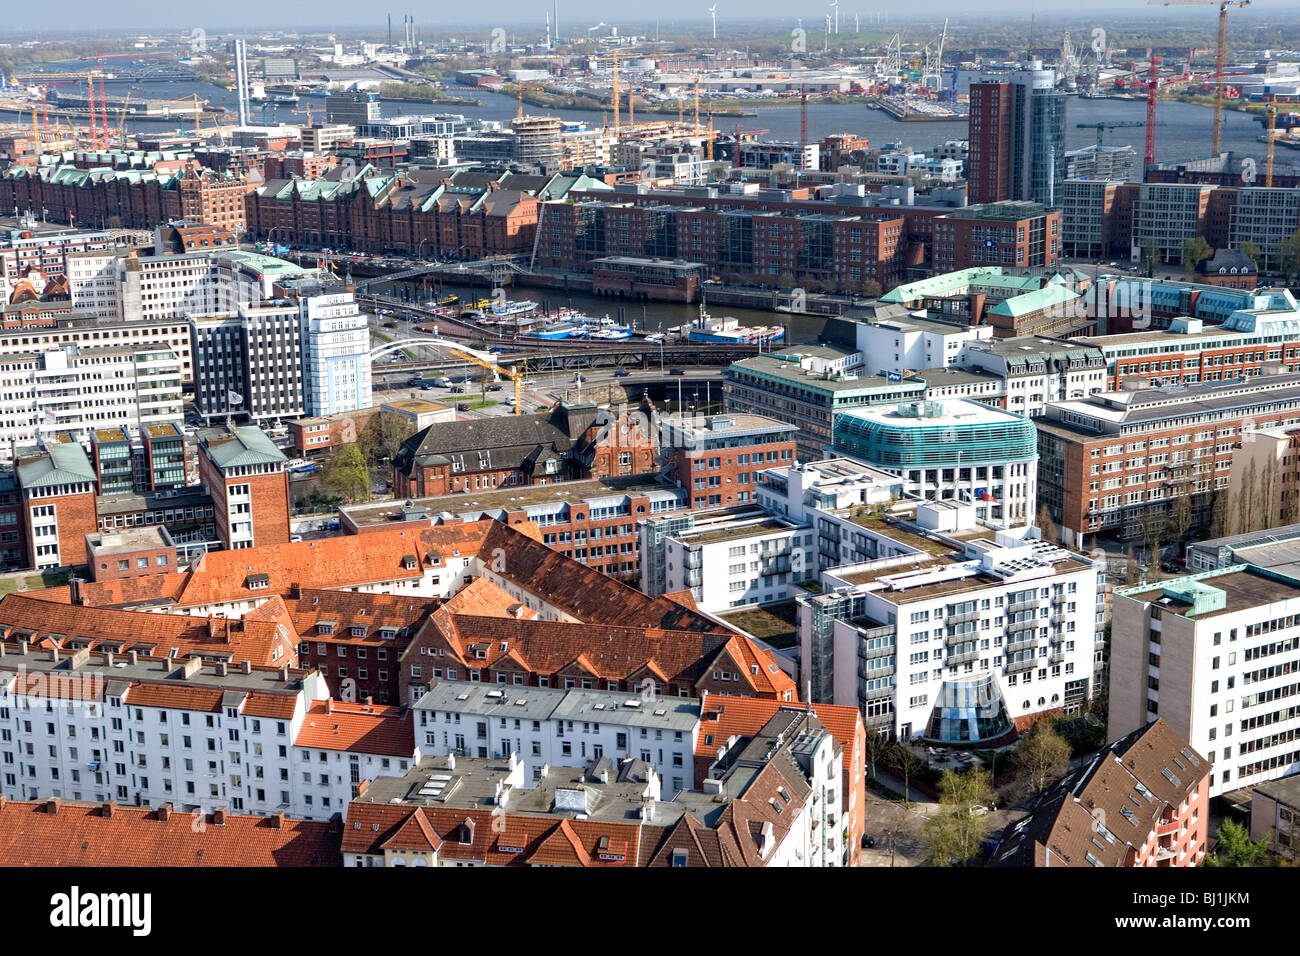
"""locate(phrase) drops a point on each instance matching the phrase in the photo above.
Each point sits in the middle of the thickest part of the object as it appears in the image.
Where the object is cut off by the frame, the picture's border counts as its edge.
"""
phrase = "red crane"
(1153, 84)
(803, 122)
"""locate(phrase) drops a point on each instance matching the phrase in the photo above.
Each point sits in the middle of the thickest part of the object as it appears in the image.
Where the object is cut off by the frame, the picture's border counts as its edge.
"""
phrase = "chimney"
(52, 806)
(329, 705)
(362, 787)
(108, 658)
(3, 801)
(451, 762)
(74, 590)
(277, 821)
(247, 667)
(54, 655)
(165, 812)
(22, 647)
(191, 667)
(546, 769)
(133, 657)
(282, 675)
(370, 701)
(221, 668)
(108, 809)
(219, 817)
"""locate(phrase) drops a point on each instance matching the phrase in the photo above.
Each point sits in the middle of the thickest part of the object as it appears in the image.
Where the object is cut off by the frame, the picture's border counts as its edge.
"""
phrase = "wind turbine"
(713, 12)
(835, 5)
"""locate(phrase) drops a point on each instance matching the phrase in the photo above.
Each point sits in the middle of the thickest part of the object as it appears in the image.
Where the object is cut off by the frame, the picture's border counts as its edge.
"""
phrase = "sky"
(325, 15)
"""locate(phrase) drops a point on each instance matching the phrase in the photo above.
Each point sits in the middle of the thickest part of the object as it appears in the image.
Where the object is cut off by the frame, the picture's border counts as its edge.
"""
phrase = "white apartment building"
(956, 645)
(560, 728)
(85, 332)
(47, 252)
(197, 734)
(73, 389)
(335, 353)
(1215, 655)
(728, 560)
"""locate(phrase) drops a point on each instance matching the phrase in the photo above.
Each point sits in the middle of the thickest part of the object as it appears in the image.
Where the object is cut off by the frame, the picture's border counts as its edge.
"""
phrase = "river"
(1183, 133)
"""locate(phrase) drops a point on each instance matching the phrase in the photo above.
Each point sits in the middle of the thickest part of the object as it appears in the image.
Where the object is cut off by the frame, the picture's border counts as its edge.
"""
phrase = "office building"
(960, 451)
(335, 352)
(248, 362)
(248, 479)
(718, 457)
(1017, 137)
(1214, 655)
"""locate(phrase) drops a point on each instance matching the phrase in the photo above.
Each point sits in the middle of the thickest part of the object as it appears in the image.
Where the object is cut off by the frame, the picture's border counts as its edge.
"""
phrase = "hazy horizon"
(330, 15)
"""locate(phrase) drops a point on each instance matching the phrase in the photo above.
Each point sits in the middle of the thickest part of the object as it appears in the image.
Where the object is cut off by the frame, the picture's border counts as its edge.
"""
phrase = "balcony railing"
(1015, 667)
(952, 660)
(961, 618)
(1017, 607)
(1021, 644)
(1015, 627)
(1058, 600)
(1058, 619)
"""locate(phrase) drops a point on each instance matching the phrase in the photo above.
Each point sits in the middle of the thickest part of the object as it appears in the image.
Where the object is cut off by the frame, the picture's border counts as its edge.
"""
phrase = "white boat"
(512, 307)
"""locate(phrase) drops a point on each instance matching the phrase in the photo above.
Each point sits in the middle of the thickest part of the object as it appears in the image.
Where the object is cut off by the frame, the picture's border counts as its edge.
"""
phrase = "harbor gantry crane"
(1219, 57)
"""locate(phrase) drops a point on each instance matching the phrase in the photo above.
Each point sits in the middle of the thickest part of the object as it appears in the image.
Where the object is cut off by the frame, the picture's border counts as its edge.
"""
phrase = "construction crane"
(516, 375)
(36, 133)
(1220, 54)
(1153, 85)
(121, 123)
(198, 129)
(697, 104)
(615, 58)
(1272, 129)
(1102, 127)
(90, 108)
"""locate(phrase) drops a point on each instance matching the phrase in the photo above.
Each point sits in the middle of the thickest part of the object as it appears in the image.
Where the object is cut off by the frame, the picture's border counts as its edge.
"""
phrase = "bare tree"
(877, 747)
(1042, 755)
(1246, 500)
(906, 762)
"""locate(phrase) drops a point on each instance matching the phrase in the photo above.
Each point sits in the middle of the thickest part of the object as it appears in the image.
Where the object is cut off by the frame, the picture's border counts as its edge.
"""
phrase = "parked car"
(494, 388)
(462, 406)
(676, 371)
(457, 389)
(426, 386)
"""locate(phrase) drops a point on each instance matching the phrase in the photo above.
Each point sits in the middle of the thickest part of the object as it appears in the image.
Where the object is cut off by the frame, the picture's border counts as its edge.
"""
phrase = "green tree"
(1042, 755)
(1252, 251)
(347, 475)
(1150, 258)
(1288, 256)
(871, 289)
(1194, 250)
(952, 836)
(1236, 847)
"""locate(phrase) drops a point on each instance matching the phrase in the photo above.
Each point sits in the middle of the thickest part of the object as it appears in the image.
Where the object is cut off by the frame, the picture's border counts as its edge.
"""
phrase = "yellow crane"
(36, 133)
(1220, 55)
(1272, 143)
(614, 57)
(516, 375)
(198, 128)
(697, 104)
(708, 147)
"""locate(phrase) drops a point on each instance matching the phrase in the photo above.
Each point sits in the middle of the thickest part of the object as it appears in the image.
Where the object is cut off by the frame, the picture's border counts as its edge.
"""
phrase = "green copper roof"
(64, 463)
(1035, 301)
(248, 445)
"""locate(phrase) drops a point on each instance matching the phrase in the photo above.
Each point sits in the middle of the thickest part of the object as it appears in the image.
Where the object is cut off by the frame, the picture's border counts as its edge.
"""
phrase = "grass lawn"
(483, 404)
(778, 624)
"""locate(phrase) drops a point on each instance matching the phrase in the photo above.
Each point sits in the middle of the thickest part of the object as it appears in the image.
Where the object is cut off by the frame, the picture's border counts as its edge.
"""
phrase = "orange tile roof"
(81, 835)
(484, 598)
(357, 728)
(724, 716)
(307, 607)
(253, 640)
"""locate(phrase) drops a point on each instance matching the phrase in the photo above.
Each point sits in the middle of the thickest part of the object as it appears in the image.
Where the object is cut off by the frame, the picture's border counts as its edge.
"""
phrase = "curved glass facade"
(910, 443)
(968, 712)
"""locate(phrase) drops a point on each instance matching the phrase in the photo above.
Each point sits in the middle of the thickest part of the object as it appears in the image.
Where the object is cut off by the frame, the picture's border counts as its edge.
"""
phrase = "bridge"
(493, 266)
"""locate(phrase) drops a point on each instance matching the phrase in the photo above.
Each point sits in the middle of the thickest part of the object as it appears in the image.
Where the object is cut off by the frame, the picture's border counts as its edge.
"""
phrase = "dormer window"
(409, 562)
(325, 627)
(358, 632)
(257, 582)
(387, 633)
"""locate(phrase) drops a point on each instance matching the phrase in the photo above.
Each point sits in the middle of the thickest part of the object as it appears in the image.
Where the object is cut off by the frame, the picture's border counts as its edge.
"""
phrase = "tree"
(1182, 515)
(382, 435)
(347, 475)
(1194, 250)
(1045, 523)
(877, 747)
(1244, 519)
(1253, 252)
(1153, 529)
(1150, 257)
(1220, 517)
(1236, 847)
(1042, 755)
(1132, 577)
(952, 836)
(907, 763)
(871, 289)
(1288, 256)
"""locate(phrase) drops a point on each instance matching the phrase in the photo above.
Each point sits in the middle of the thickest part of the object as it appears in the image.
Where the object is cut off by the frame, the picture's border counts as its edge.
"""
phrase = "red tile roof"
(357, 728)
(82, 835)
(723, 716)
